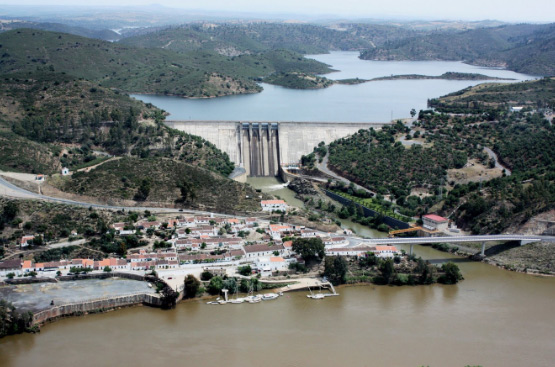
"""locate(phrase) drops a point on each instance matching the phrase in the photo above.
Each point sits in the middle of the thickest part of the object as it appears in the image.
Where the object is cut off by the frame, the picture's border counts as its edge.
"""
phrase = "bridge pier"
(410, 252)
(483, 253)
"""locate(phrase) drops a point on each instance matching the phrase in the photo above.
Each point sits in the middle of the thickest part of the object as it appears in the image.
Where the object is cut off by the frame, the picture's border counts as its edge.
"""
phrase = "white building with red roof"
(435, 222)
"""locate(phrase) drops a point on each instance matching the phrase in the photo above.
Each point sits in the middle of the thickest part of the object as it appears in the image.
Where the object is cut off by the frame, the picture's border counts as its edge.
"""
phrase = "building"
(10, 266)
(273, 205)
(267, 265)
(39, 178)
(435, 222)
(26, 241)
(349, 251)
(65, 171)
(386, 251)
(263, 250)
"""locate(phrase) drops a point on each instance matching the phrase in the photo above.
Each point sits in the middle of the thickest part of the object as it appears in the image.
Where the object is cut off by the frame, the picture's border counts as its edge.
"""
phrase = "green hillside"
(103, 34)
(236, 39)
(524, 48)
(127, 68)
(163, 180)
(423, 177)
(498, 97)
(41, 111)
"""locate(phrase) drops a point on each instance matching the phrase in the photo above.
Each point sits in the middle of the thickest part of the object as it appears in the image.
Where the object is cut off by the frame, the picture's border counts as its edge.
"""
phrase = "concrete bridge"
(523, 239)
(261, 147)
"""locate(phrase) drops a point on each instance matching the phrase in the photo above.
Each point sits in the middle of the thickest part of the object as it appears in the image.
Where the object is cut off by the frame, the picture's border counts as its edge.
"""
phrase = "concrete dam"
(262, 147)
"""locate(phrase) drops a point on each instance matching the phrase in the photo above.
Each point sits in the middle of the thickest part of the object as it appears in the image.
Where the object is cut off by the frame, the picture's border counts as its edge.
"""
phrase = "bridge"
(261, 147)
(523, 239)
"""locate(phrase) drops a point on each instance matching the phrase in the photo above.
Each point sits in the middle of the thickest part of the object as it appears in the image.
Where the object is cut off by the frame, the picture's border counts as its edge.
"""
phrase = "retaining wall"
(392, 222)
(95, 305)
(112, 274)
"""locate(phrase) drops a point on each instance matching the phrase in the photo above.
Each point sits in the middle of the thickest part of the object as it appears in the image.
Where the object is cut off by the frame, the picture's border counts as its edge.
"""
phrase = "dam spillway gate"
(258, 145)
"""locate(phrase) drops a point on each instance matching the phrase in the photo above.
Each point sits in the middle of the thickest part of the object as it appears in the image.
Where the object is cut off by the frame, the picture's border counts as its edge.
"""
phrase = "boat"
(269, 296)
(253, 299)
(316, 296)
(237, 301)
(213, 303)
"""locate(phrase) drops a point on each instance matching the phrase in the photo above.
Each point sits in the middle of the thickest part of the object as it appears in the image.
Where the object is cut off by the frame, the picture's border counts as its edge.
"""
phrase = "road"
(459, 239)
(493, 156)
(323, 167)
(10, 190)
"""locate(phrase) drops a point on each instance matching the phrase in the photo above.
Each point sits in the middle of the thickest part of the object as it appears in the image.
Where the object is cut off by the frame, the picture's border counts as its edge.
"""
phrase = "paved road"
(492, 154)
(458, 239)
(10, 190)
(323, 166)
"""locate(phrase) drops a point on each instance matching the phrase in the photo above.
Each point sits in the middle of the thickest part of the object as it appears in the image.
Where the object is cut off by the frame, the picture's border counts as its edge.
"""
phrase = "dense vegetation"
(498, 98)
(236, 39)
(298, 81)
(13, 321)
(521, 140)
(524, 48)
(42, 110)
(146, 70)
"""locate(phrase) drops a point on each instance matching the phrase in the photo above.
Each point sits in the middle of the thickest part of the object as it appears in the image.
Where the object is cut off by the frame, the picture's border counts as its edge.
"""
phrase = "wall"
(292, 140)
(95, 305)
(392, 222)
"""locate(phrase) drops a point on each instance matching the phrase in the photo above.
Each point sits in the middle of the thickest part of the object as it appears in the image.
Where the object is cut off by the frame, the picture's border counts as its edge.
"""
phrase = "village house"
(253, 251)
(308, 233)
(273, 205)
(65, 171)
(334, 241)
(349, 251)
(26, 241)
(386, 251)
(10, 266)
(267, 265)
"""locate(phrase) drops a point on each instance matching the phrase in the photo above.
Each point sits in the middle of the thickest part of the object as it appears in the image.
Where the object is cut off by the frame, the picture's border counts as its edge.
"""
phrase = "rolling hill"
(525, 48)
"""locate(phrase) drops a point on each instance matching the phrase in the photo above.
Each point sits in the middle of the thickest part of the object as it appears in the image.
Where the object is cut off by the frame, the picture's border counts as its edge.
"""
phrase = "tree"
(206, 275)
(107, 269)
(143, 190)
(336, 269)
(192, 285)
(412, 112)
(309, 248)
(215, 286)
(244, 270)
(452, 274)
(10, 211)
(387, 270)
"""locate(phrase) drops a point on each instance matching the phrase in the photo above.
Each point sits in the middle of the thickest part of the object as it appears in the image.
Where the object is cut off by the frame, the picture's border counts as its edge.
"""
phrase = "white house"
(386, 251)
(26, 241)
(65, 171)
(267, 265)
(349, 251)
(435, 222)
(263, 250)
(272, 205)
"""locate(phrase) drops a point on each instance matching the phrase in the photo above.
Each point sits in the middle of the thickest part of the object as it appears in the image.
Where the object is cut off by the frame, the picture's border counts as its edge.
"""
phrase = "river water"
(493, 318)
(379, 101)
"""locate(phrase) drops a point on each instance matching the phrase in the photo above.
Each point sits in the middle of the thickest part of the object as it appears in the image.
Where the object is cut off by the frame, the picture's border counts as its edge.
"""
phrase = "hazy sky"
(506, 10)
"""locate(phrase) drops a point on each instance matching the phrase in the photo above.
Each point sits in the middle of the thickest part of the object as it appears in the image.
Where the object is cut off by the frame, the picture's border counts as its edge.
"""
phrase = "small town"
(177, 246)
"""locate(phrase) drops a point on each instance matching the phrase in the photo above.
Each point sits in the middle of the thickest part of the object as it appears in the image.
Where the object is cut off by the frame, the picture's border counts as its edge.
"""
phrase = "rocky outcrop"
(302, 187)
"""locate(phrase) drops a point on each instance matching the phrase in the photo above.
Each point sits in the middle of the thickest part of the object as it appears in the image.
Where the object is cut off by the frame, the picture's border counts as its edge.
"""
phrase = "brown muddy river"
(493, 318)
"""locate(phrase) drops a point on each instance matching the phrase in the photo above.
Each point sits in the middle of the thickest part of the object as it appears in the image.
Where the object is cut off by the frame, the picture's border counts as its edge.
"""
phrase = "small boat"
(269, 296)
(316, 296)
(237, 301)
(149, 285)
(253, 299)
(213, 303)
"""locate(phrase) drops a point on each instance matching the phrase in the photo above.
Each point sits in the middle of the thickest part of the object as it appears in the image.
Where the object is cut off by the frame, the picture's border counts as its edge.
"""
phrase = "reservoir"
(493, 318)
(379, 101)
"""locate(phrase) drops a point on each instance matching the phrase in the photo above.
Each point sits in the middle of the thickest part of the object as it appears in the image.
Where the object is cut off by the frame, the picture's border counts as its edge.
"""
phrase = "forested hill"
(103, 34)
(49, 120)
(448, 170)
(525, 48)
(498, 98)
(144, 70)
(233, 40)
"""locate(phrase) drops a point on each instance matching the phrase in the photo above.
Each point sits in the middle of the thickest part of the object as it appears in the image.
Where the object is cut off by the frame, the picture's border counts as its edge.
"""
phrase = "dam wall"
(262, 147)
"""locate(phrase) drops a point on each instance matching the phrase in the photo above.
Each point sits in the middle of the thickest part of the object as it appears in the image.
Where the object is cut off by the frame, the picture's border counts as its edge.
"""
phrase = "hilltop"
(524, 48)
(442, 165)
(161, 180)
(49, 120)
(196, 74)
(238, 39)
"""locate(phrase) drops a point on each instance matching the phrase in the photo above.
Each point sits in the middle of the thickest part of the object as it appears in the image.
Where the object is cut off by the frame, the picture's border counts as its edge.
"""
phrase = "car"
(180, 210)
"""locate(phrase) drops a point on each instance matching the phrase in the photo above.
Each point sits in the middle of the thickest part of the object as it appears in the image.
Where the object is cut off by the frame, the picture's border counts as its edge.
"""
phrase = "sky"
(505, 10)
